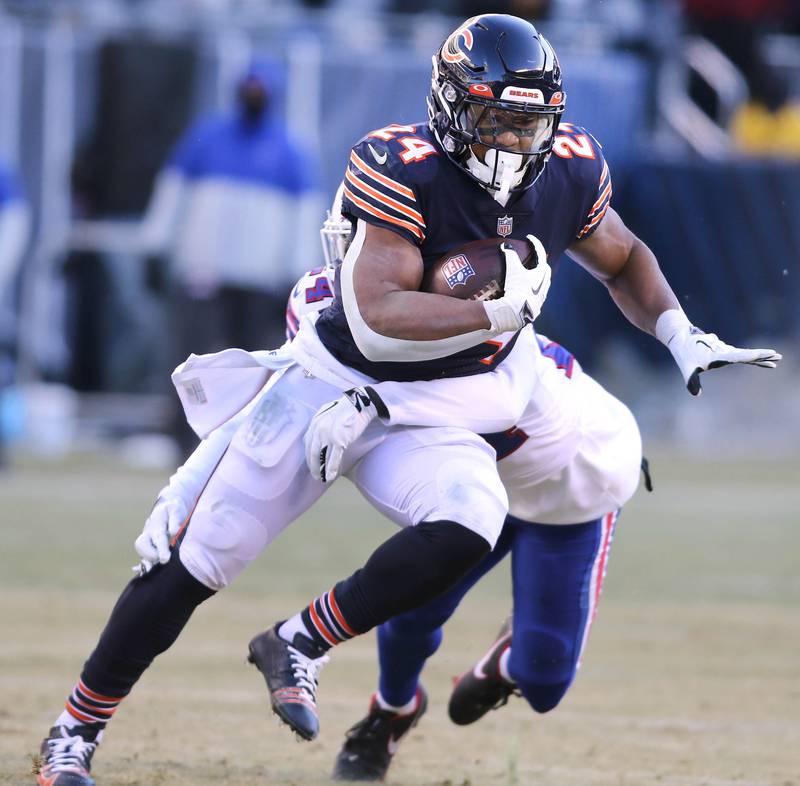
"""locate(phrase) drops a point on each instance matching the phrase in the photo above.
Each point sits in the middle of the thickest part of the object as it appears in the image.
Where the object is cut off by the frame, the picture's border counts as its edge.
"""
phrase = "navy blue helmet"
(496, 86)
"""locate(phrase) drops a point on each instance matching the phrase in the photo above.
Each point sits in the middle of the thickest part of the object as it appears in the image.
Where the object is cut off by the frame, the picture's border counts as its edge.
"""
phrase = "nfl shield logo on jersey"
(504, 225)
(457, 270)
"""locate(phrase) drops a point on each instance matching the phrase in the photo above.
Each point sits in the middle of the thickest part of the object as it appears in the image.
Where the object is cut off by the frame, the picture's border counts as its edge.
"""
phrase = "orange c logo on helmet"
(451, 49)
(556, 98)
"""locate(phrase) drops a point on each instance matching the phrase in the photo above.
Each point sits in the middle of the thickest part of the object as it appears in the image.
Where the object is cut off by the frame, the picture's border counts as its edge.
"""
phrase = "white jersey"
(575, 453)
(567, 450)
(310, 295)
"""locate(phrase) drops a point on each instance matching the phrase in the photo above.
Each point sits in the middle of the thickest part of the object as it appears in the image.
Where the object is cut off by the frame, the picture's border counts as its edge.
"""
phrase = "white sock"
(291, 626)
(502, 666)
(405, 709)
(68, 720)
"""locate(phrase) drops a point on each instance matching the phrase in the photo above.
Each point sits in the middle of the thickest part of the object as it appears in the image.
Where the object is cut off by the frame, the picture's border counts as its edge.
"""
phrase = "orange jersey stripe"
(413, 228)
(321, 627)
(606, 193)
(603, 177)
(596, 220)
(398, 188)
(388, 201)
(339, 616)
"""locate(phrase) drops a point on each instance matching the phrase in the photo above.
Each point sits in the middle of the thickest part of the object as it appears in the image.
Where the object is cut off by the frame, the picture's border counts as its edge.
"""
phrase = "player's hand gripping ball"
(476, 270)
(510, 276)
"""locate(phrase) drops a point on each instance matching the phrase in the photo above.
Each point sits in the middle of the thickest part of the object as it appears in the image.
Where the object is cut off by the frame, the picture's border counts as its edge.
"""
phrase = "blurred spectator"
(14, 227)
(533, 10)
(232, 223)
(769, 123)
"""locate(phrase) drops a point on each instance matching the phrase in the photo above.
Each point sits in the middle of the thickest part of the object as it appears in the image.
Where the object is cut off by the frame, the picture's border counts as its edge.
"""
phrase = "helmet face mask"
(335, 235)
(496, 85)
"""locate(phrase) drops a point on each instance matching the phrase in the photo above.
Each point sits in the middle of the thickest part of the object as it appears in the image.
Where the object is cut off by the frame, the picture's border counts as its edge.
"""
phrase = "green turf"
(692, 675)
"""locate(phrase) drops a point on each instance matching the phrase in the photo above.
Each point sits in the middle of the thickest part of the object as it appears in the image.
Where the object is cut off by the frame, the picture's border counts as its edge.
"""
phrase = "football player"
(574, 456)
(477, 169)
(493, 159)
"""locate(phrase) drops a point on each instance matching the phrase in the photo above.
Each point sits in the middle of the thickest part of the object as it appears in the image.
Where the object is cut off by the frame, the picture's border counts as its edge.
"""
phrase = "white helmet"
(335, 234)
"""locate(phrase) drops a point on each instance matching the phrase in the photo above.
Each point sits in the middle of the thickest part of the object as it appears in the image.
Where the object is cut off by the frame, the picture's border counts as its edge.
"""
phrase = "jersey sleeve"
(378, 189)
(591, 173)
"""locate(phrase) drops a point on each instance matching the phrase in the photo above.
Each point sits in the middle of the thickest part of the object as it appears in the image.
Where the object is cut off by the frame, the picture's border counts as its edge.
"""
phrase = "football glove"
(695, 351)
(524, 291)
(336, 426)
(163, 524)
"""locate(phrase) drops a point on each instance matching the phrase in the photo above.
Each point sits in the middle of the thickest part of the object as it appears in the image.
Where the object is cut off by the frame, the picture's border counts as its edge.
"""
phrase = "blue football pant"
(557, 574)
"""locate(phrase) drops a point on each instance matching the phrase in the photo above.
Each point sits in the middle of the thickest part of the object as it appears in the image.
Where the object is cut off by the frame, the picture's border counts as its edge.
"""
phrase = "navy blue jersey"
(399, 178)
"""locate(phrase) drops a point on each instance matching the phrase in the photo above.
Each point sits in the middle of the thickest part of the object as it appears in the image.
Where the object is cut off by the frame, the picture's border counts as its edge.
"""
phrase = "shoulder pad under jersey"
(383, 177)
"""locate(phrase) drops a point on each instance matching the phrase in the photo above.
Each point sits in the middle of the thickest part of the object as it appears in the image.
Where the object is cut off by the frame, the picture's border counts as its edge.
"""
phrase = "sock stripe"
(331, 598)
(96, 696)
(324, 614)
(88, 706)
(325, 611)
(323, 631)
(85, 717)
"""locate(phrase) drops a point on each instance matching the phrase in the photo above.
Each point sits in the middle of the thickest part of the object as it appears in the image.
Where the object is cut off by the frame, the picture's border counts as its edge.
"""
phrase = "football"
(474, 271)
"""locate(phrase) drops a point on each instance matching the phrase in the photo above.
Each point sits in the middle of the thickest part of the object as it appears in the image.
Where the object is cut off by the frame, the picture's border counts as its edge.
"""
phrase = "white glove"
(336, 426)
(162, 525)
(695, 351)
(524, 291)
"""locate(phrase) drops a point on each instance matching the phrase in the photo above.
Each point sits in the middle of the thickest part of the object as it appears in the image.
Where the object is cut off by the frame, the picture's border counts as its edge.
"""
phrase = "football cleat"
(66, 756)
(482, 688)
(371, 743)
(292, 673)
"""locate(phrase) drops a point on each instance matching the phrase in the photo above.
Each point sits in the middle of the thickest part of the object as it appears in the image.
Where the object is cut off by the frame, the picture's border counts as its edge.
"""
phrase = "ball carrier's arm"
(630, 272)
(391, 320)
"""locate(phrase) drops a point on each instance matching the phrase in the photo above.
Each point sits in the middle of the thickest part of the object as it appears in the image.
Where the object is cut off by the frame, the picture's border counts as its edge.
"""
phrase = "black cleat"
(291, 672)
(367, 752)
(65, 757)
(482, 688)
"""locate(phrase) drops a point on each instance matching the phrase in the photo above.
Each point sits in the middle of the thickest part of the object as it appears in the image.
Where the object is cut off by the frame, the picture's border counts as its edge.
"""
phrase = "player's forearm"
(189, 480)
(396, 326)
(420, 316)
(640, 289)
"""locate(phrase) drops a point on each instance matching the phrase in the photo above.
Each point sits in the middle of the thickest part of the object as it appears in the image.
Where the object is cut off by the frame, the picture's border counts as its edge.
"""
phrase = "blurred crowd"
(228, 203)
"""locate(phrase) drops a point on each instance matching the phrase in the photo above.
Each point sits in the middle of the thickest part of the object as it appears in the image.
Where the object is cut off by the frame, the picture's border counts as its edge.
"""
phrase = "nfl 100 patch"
(457, 270)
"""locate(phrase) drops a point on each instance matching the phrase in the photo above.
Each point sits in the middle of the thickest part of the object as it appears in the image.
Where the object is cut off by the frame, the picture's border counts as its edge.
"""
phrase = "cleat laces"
(67, 754)
(306, 672)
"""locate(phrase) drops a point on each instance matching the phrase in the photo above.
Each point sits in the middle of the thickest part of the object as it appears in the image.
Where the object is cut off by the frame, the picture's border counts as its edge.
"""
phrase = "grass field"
(692, 675)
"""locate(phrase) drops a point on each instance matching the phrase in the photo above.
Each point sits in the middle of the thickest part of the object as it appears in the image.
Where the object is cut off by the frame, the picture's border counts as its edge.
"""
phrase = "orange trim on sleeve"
(375, 175)
(388, 201)
(413, 228)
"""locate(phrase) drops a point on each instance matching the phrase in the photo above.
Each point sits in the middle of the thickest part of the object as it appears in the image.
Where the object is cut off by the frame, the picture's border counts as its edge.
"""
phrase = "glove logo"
(358, 399)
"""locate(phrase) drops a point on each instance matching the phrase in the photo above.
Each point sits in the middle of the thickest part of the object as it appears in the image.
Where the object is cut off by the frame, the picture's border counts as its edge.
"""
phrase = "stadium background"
(691, 676)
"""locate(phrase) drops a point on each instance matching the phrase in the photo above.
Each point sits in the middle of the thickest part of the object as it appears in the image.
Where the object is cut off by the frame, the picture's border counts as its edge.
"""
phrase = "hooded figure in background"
(233, 222)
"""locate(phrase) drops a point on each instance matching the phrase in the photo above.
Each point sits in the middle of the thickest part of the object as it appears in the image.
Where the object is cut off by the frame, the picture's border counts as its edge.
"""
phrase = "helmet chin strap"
(499, 173)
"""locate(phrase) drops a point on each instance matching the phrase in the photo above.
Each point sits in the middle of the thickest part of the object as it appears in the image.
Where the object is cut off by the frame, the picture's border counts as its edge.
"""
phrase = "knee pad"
(543, 666)
(474, 498)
